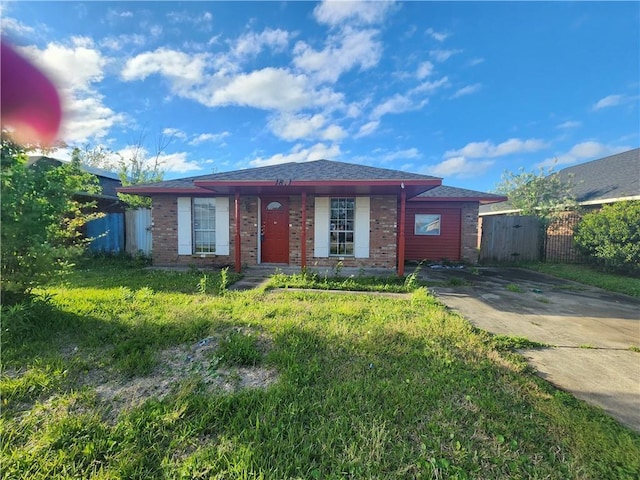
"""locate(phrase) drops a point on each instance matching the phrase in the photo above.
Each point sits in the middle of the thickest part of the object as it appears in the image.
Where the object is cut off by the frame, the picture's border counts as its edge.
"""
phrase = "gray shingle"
(444, 191)
(320, 170)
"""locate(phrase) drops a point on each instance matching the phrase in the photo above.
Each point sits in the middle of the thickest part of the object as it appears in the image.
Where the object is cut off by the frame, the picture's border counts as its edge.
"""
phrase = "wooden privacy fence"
(511, 239)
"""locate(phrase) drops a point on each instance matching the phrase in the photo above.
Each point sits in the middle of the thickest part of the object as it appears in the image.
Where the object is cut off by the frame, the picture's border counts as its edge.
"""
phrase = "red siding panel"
(433, 247)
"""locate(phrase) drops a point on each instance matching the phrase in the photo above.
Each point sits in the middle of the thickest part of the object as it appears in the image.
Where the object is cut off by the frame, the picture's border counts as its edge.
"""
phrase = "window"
(204, 225)
(427, 224)
(341, 226)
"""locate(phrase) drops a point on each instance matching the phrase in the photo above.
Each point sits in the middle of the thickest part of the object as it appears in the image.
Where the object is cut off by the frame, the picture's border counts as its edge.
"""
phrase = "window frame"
(339, 231)
(424, 230)
(211, 231)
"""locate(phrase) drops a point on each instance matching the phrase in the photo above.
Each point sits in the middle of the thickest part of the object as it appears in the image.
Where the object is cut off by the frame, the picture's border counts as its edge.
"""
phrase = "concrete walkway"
(590, 330)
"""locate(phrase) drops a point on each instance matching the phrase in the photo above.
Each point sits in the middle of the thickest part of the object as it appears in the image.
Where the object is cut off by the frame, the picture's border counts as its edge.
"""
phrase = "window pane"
(204, 225)
(342, 224)
(427, 224)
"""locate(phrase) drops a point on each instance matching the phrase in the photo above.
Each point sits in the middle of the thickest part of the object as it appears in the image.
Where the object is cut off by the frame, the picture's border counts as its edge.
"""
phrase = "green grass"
(590, 275)
(366, 387)
(512, 287)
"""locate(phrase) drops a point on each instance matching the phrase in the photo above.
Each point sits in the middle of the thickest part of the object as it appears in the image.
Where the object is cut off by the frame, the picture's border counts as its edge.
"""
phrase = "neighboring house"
(595, 183)
(108, 231)
(311, 214)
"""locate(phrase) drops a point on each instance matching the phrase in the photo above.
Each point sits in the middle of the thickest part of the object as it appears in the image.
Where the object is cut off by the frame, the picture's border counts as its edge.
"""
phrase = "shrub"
(612, 236)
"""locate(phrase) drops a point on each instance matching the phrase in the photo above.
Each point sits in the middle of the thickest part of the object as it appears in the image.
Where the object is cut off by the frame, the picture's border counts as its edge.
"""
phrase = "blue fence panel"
(107, 233)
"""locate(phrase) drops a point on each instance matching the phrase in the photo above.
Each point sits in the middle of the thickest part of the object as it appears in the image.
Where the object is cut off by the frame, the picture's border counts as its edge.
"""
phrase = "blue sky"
(457, 90)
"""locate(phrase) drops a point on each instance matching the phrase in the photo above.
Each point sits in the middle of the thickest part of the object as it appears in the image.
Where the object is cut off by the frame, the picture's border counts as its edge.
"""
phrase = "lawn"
(120, 372)
(590, 275)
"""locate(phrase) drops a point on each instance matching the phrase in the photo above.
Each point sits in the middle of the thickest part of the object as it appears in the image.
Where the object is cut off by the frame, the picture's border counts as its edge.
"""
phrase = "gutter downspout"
(237, 241)
(403, 203)
(303, 236)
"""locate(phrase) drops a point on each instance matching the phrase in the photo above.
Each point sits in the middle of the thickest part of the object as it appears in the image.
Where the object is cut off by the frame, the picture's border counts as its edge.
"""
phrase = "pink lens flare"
(29, 102)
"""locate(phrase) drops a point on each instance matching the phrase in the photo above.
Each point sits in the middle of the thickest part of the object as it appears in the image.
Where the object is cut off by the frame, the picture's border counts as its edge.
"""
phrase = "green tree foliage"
(612, 235)
(542, 194)
(41, 219)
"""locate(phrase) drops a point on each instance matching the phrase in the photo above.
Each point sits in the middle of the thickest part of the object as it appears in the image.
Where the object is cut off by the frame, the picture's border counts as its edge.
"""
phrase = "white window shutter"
(362, 228)
(222, 225)
(321, 227)
(184, 226)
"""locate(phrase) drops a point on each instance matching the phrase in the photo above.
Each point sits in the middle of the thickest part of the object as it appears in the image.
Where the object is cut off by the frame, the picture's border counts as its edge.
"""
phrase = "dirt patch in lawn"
(174, 366)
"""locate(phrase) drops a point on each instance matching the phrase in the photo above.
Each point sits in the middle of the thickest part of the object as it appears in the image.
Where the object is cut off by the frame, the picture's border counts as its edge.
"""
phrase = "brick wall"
(382, 241)
(165, 236)
(469, 232)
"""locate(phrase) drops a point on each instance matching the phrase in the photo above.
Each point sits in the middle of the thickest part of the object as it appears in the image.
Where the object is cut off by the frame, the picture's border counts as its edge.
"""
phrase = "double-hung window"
(342, 226)
(204, 225)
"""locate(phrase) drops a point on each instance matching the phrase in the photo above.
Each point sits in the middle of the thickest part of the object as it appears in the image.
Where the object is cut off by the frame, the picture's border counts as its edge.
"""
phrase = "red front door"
(274, 234)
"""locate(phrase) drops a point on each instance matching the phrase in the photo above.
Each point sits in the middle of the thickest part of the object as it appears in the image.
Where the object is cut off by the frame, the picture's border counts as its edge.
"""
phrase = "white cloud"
(367, 129)
(401, 155)
(174, 132)
(319, 151)
(15, 27)
(424, 70)
(430, 87)
(487, 149)
(396, 104)
(335, 13)
(296, 127)
(270, 89)
(569, 124)
(252, 43)
(611, 101)
(168, 162)
(438, 36)
(117, 43)
(209, 137)
(76, 68)
(589, 150)
(334, 133)
(343, 51)
(182, 69)
(443, 55)
(459, 167)
(476, 61)
(468, 90)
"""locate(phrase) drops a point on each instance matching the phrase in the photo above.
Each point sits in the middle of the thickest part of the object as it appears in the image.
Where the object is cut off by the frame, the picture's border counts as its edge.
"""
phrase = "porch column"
(403, 203)
(237, 241)
(303, 236)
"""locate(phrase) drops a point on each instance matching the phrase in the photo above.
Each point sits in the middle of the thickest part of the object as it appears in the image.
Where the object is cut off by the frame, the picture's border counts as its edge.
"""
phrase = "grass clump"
(391, 284)
(239, 349)
(590, 275)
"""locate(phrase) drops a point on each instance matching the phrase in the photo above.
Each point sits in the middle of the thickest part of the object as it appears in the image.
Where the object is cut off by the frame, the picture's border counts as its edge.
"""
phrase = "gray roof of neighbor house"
(109, 181)
(444, 192)
(605, 180)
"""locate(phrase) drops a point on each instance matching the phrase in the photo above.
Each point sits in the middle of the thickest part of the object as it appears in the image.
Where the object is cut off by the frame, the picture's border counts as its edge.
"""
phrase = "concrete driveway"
(590, 330)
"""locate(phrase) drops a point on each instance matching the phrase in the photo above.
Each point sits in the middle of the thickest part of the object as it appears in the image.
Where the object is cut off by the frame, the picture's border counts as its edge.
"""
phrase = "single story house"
(312, 214)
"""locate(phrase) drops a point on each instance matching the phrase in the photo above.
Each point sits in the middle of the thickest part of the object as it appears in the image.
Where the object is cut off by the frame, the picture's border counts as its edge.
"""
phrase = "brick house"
(312, 214)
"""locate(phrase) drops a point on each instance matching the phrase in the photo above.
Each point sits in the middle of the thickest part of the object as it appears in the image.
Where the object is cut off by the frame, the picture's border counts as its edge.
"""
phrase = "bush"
(612, 236)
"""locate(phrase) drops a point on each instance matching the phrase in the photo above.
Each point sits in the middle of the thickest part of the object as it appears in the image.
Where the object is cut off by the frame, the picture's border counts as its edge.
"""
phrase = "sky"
(459, 90)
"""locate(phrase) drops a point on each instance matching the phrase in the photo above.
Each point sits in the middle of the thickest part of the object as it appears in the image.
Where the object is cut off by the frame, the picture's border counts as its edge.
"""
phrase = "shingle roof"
(598, 181)
(444, 192)
(318, 170)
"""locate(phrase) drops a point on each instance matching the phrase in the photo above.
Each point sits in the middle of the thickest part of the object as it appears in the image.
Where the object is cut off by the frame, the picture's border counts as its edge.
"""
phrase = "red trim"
(163, 191)
(303, 236)
(403, 204)
(237, 242)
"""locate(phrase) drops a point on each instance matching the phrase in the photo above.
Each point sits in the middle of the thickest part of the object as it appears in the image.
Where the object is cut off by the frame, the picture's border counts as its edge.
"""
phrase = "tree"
(41, 219)
(542, 194)
(134, 166)
(612, 235)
